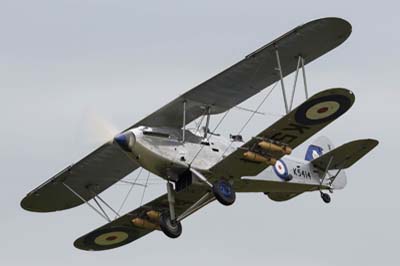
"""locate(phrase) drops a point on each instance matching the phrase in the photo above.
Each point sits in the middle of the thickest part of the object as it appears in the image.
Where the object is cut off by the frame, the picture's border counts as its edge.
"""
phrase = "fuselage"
(163, 152)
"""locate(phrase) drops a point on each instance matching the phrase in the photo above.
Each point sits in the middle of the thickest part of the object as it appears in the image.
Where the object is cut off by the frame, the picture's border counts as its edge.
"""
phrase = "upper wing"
(254, 73)
(94, 173)
(122, 231)
(292, 129)
(346, 155)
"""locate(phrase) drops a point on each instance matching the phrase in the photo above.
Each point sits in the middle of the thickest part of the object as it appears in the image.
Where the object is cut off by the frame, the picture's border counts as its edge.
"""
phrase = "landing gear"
(170, 228)
(222, 189)
(168, 222)
(325, 197)
(223, 192)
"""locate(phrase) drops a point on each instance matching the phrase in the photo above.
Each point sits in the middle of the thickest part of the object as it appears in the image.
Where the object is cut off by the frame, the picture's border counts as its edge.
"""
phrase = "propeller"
(97, 129)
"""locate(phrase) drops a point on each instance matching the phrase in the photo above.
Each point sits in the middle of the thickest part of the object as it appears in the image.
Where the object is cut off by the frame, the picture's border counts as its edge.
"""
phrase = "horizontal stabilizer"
(282, 196)
(344, 156)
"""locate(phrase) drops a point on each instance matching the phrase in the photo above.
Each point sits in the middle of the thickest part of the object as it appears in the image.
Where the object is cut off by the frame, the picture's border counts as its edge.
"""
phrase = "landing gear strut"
(222, 189)
(168, 223)
(325, 196)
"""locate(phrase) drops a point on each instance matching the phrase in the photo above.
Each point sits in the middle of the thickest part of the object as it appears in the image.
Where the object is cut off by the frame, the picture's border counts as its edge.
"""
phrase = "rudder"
(317, 148)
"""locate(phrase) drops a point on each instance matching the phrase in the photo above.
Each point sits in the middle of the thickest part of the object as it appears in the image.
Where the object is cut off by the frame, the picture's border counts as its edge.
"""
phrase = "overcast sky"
(63, 62)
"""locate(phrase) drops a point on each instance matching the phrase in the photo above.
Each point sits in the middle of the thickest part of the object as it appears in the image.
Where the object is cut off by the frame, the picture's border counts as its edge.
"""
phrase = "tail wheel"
(325, 197)
(172, 229)
(223, 192)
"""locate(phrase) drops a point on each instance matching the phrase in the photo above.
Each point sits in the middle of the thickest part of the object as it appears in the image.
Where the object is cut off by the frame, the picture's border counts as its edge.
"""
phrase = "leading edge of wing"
(292, 130)
(254, 73)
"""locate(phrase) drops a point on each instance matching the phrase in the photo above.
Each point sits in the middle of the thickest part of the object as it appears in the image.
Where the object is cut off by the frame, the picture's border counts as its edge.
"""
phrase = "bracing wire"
(258, 107)
(144, 189)
(252, 115)
(129, 192)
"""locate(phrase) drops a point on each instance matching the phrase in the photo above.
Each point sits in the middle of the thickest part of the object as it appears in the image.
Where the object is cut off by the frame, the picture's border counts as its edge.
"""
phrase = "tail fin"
(319, 147)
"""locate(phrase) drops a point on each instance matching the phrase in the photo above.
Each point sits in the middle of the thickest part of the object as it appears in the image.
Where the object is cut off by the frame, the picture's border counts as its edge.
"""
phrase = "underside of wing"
(123, 231)
(289, 131)
(345, 156)
(92, 175)
(254, 73)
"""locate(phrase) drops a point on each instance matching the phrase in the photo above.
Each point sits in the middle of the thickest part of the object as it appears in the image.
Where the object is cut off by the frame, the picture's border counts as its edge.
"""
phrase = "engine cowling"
(126, 140)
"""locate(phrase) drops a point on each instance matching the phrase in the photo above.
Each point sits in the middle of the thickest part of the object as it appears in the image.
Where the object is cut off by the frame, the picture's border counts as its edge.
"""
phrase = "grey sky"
(61, 61)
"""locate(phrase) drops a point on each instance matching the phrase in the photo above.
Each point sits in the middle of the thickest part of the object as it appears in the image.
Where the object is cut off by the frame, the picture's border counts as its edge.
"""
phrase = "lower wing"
(126, 229)
(287, 133)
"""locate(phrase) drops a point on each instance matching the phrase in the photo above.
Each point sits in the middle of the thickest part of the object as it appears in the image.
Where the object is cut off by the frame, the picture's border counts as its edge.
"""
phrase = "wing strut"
(184, 122)
(96, 199)
(104, 215)
(278, 60)
(207, 123)
(105, 203)
(304, 76)
(295, 82)
(300, 64)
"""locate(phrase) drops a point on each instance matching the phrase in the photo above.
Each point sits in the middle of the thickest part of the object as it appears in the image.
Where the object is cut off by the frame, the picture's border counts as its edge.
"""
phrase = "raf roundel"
(108, 238)
(322, 110)
(281, 170)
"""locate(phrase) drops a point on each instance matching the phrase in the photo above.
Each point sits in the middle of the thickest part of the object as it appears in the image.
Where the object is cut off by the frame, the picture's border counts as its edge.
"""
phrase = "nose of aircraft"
(125, 140)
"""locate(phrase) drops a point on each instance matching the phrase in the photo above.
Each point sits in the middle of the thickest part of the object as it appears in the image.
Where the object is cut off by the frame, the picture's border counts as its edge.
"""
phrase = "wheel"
(325, 197)
(224, 193)
(172, 229)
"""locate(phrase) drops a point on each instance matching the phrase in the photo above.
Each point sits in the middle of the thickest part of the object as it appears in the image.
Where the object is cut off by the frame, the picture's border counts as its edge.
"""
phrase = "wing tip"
(340, 24)
(27, 205)
(337, 91)
(372, 143)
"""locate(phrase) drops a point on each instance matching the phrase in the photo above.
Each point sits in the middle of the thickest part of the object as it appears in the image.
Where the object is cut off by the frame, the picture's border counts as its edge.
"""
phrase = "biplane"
(201, 166)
